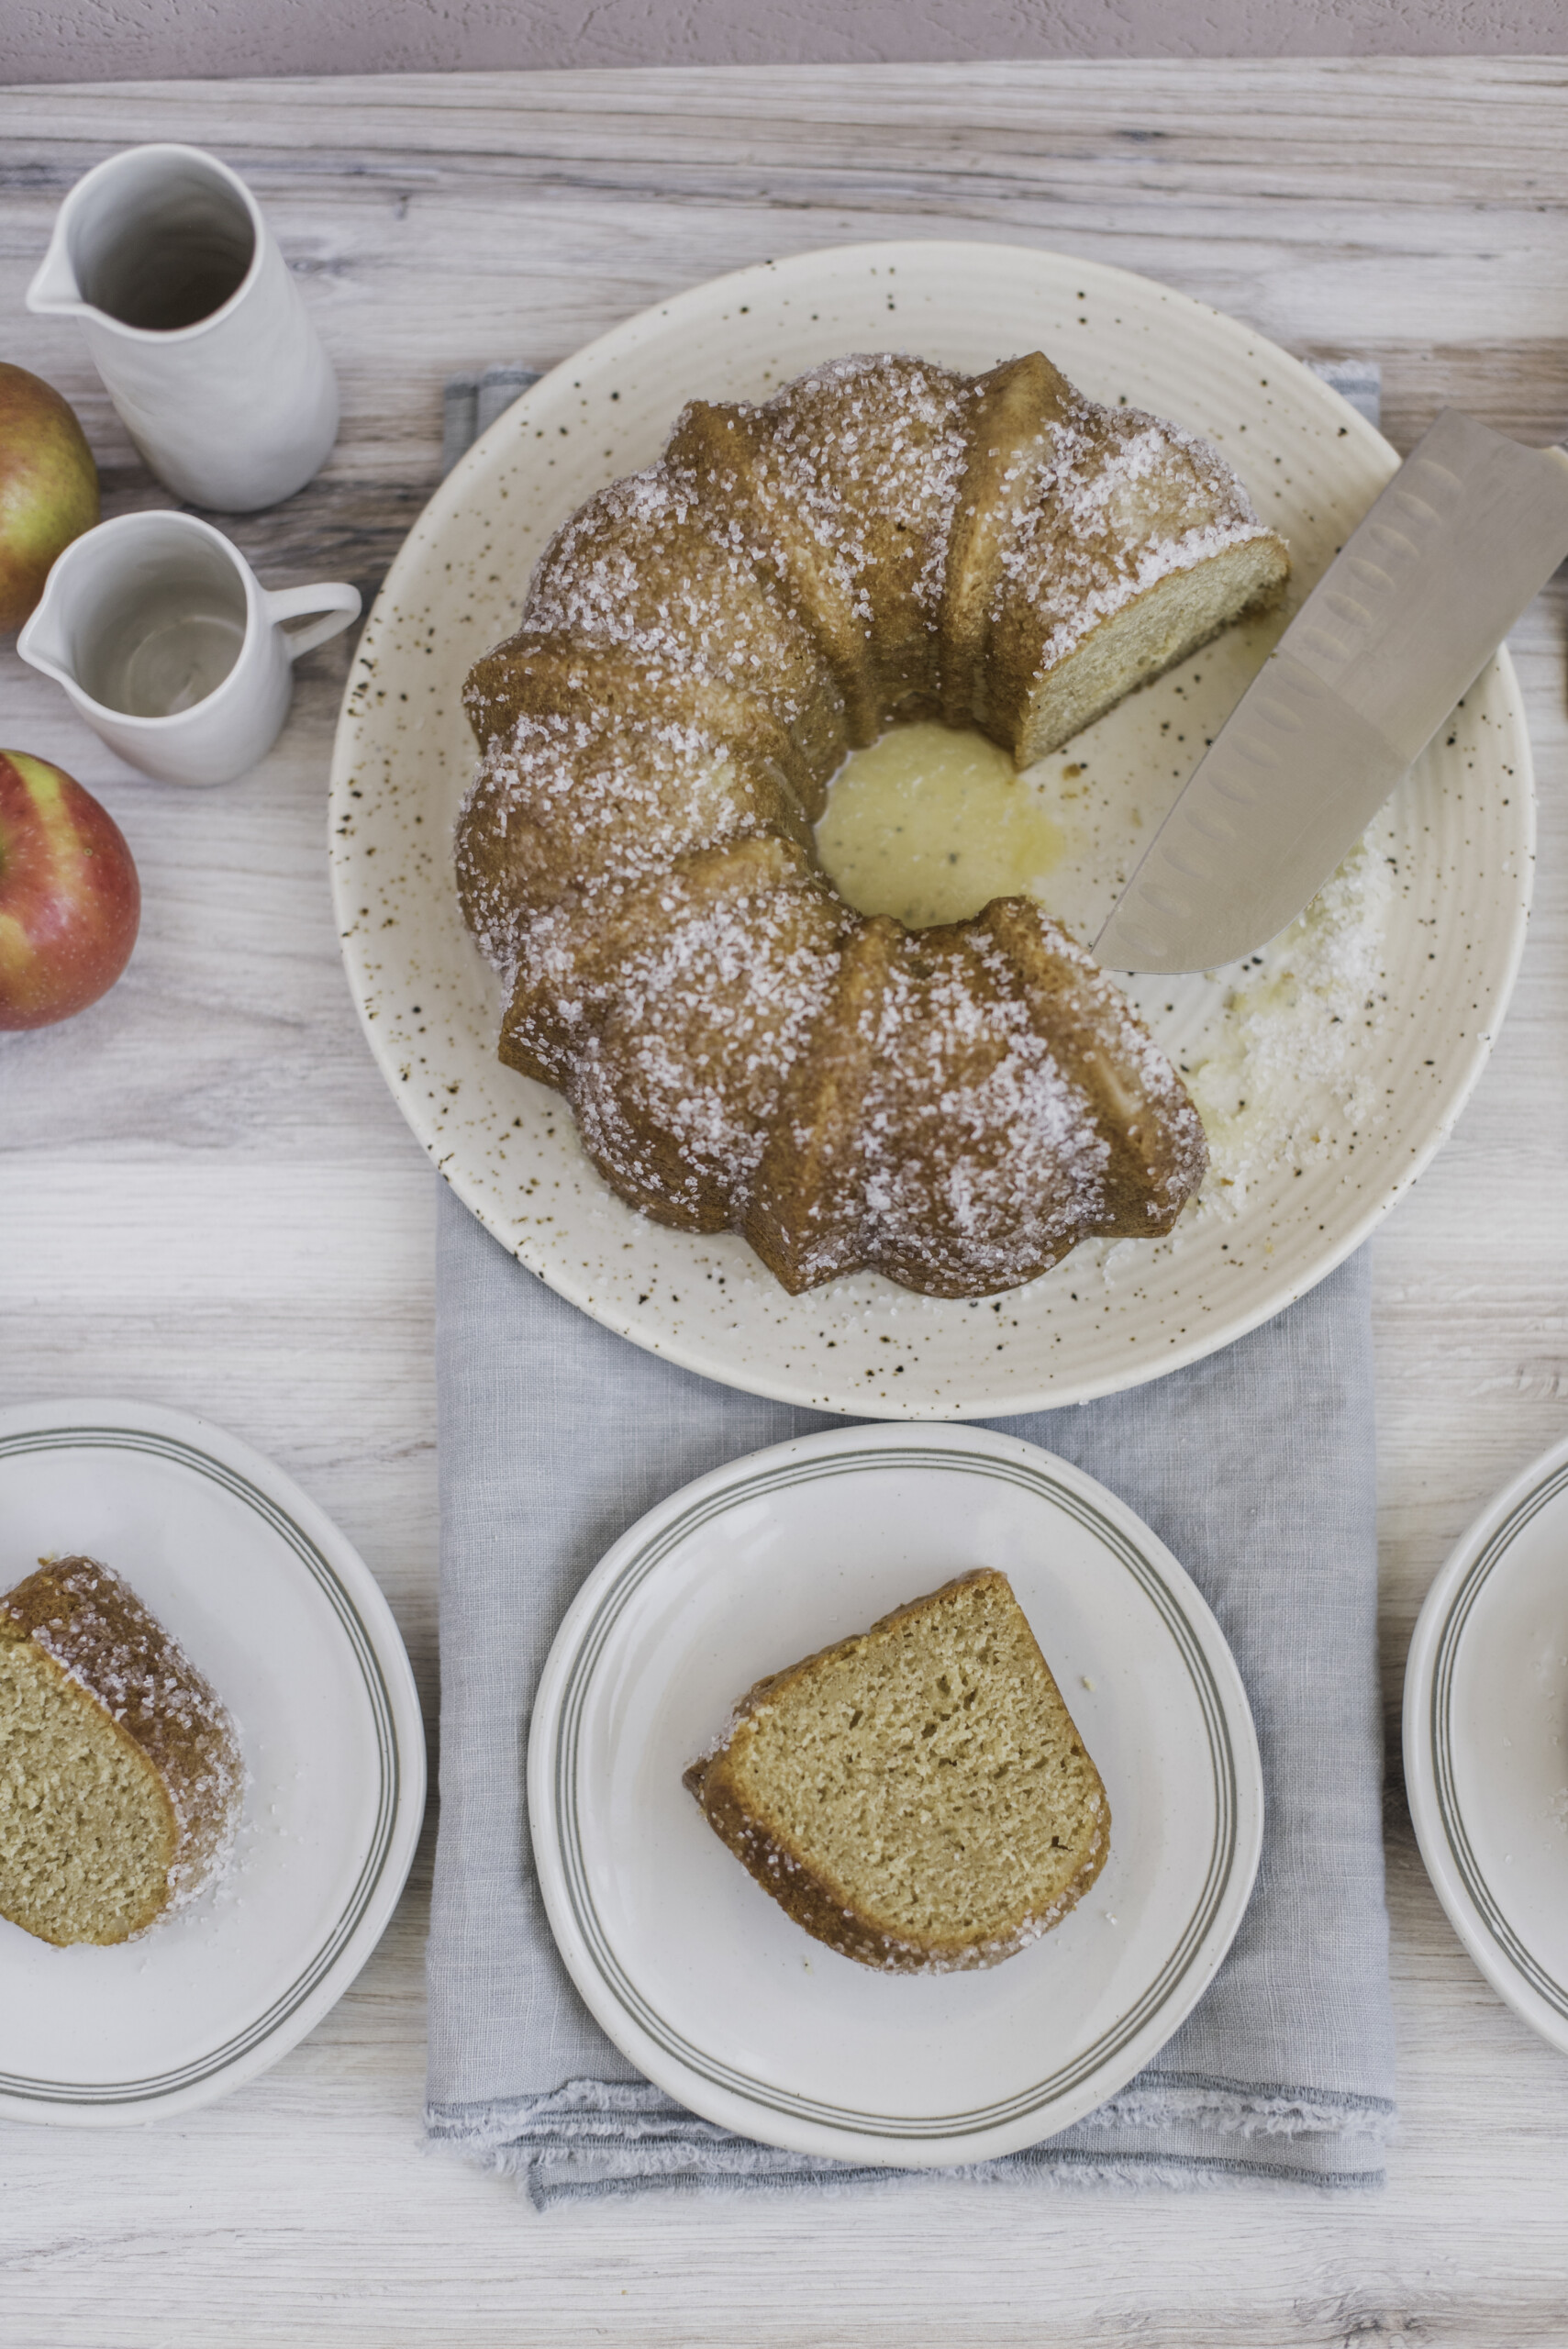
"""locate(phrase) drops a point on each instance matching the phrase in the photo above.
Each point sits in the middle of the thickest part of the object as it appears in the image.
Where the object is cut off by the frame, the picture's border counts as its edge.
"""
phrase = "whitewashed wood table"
(207, 1198)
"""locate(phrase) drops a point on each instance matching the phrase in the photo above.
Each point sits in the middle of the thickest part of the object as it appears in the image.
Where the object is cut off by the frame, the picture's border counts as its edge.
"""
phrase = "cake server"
(1402, 622)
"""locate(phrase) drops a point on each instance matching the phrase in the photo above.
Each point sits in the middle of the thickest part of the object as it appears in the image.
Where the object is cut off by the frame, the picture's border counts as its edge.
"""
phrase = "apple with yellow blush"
(69, 900)
(49, 488)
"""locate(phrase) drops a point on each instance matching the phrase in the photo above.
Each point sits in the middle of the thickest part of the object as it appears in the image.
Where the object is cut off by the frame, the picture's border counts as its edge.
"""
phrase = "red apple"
(69, 900)
(49, 488)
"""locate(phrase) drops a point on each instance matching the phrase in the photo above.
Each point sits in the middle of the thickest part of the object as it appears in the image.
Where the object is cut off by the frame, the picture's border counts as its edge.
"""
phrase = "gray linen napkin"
(1256, 1467)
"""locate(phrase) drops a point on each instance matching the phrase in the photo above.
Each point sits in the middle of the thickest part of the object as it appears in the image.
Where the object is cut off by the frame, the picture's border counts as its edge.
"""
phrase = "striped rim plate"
(289, 1624)
(1486, 1742)
(702, 1981)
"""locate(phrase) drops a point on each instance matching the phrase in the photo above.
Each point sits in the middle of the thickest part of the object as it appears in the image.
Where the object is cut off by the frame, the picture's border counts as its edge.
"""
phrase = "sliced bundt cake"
(700, 647)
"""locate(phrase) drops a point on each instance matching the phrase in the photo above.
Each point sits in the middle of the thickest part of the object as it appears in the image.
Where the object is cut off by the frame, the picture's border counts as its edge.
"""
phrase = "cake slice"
(120, 1776)
(895, 433)
(916, 1797)
(567, 802)
(730, 453)
(983, 1161)
(808, 1216)
(1023, 410)
(1131, 544)
(534, 675)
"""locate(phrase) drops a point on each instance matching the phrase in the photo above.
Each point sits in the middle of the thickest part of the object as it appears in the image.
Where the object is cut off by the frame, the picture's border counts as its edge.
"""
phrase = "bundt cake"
(701, 645)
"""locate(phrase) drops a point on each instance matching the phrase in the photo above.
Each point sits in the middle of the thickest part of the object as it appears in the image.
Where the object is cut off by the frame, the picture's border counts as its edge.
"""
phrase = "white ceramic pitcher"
(170, 647)
(194, 325)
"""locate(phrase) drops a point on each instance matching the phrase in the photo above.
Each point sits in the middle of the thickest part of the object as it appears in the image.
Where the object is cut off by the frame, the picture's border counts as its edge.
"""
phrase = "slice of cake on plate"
(916, 1797)
(120, 1773)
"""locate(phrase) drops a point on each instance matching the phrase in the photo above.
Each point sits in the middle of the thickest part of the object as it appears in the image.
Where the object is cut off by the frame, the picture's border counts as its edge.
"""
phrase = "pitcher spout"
(54, 290)
(44, 642)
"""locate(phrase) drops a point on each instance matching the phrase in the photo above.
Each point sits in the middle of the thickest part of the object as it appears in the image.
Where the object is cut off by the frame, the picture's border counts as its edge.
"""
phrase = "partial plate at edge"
(284, 1617)
(1486, 1742)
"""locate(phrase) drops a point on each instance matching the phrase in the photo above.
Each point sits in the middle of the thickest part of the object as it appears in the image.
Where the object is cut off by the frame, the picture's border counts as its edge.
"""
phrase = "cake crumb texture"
(120, 1773)
(916, 1797)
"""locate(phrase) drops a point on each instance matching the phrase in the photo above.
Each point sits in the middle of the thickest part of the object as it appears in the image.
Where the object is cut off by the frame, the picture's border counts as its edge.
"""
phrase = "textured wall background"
(84, 41)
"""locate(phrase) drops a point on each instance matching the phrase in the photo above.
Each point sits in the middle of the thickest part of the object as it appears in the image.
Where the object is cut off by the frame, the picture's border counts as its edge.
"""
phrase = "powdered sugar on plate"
(1296, 1029)
(1287, 1056)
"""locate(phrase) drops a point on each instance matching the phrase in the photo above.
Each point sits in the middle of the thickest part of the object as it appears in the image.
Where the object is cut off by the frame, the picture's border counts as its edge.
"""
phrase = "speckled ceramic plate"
(1486, 1742)
(702, 1980)
(287, 1622)
(1329, 1072)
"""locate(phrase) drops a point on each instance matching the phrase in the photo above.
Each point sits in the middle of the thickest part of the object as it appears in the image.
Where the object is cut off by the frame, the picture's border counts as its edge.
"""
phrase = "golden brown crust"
(808, 1213)
(1158, 1151)
(92, 1625)
(824, 1909)
(1020, 403)
(802, 1895)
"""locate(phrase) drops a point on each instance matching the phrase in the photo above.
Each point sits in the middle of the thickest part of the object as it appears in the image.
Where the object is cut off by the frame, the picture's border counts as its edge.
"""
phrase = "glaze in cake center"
(931, 823)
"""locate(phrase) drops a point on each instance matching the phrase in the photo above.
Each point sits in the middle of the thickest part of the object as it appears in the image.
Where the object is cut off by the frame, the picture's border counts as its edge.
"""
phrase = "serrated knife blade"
(1400, 625)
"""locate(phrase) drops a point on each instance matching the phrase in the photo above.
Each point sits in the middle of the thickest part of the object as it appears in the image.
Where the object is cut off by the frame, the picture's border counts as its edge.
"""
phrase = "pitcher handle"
(335, 599)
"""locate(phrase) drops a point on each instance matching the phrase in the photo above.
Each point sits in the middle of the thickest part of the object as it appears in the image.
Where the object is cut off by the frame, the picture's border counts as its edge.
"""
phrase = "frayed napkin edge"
(631, 2110)
(656, 2144)
(537, 2176)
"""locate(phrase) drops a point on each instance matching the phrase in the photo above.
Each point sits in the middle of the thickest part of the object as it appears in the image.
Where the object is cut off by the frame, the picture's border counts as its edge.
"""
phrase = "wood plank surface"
(207, 1198)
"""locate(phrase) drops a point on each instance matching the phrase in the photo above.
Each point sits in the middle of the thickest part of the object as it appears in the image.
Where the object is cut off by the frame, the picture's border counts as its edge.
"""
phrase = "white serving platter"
(702, 1980)
(1365, 1060)
(286, 1619)
(1486, 1742)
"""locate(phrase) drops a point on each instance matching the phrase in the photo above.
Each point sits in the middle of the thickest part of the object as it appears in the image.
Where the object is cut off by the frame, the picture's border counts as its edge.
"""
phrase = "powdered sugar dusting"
(981, 1156)
(568, 802)
(1111, 502)
(636, 855)
(1298, 1037)
(94, 1626)
(685, 1056)
(863, 458)
(656, 570)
